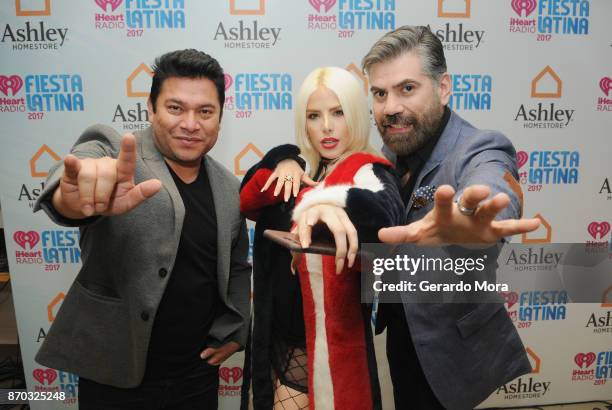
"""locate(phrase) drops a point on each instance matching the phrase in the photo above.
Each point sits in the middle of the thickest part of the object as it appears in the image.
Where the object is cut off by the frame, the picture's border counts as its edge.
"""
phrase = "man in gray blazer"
(440, 355)
(162, 298)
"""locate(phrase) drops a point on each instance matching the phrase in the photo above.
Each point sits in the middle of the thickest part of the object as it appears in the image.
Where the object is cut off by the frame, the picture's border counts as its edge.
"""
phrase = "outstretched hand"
(288, 174)
(445, 224)
(102, 186)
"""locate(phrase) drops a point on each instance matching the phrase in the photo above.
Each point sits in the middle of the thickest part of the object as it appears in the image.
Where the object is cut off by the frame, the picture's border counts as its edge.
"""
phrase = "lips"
(397, 128)
(188, 141)
(329, 142)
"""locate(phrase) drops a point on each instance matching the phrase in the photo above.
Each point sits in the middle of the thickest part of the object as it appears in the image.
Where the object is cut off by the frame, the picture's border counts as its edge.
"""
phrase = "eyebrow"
(331, 109)
(398, 85)
(177, 101)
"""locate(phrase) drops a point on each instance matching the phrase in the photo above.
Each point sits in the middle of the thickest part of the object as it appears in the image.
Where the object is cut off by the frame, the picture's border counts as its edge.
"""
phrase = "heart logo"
(327, 4)
(521, 158)
(113, 3)
(228, 81)
(606, 85)
(524, 5)
(584, 359)
(41, 375)
(601, 228)
(30, 238)
(227, 374)
(510, 298)
(12, 83)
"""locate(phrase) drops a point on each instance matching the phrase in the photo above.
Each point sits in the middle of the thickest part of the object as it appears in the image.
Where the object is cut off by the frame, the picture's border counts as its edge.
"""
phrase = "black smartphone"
(324, 246)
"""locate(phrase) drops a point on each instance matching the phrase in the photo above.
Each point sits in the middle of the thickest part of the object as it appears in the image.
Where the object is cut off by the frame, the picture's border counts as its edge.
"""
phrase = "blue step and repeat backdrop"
(540, 71)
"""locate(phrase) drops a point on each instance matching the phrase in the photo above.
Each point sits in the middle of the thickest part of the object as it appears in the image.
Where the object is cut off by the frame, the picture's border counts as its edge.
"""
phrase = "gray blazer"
(103, 328)
(466, 350)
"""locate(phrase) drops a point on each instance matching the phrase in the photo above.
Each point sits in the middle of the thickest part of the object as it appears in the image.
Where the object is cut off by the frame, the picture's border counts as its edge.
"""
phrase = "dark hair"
(188, 63)
(406, 39)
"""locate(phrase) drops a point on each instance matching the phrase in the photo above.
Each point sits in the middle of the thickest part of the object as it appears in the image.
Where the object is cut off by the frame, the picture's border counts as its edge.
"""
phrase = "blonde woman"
(311, 331)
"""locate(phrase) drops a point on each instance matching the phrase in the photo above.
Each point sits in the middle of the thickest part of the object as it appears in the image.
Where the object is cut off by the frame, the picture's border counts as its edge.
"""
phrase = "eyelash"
(407, 88)
(175, 108)
(314, 116)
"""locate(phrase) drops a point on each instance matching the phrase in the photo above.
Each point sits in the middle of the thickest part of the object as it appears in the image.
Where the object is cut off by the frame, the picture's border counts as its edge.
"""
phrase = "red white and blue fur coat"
(341, 364)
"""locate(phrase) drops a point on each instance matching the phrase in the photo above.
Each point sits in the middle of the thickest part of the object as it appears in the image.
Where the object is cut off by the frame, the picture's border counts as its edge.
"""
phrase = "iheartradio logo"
(510, 298)
(41, 375)
(11, 83)
(227, 374)
(30, 238)
(326, 4)
(606, 85)
(521, 158)
(103, 4)
(527, 6)
(228, 81)
(584, 359)
(598, 228)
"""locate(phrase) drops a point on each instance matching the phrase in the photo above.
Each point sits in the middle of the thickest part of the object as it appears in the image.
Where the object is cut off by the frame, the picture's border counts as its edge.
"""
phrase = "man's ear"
(150, 107)
(444, 88)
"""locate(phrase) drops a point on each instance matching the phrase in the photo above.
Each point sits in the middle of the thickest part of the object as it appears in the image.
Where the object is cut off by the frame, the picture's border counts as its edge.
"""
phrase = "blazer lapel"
(445, 145)
(221, 199)
(155, 161)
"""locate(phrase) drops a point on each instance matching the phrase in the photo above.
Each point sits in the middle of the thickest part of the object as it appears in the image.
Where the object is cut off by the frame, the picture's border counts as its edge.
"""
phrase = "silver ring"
(465, 211)
(288, 178)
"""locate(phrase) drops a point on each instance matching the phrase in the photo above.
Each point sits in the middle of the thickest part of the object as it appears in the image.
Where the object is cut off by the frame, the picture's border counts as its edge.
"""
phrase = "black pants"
(410, 387)
(196, 391)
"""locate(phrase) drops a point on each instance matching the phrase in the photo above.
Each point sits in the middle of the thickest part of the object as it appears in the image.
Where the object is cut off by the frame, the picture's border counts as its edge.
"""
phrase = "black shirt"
(189, 303)
(414, 162)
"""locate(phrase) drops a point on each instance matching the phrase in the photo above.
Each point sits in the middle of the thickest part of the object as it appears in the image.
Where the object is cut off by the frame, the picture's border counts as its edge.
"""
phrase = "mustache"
(398, 119)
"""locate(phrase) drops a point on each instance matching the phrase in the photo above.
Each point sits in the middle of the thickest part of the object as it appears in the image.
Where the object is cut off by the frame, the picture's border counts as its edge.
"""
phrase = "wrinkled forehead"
(386, 74)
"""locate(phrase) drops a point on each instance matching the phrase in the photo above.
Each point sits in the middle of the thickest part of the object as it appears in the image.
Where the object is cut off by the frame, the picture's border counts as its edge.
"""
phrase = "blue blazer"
(467, 350)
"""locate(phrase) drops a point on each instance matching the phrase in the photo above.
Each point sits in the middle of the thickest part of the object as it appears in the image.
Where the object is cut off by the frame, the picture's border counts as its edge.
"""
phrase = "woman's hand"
(289, 175)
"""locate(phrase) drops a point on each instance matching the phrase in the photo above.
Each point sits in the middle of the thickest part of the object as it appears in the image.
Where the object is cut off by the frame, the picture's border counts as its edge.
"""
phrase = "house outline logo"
(130, 81)
(259, 11)
(534, 84)
(546, 225)
(46, 11)
(250, 147)
(59, 298)
(536, 360)
(44, 149)
(352, 68)
(455, 14)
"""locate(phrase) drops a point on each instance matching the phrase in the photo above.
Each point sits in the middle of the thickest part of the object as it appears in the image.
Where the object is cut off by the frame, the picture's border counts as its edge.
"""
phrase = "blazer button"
(144, 316)
(162, 272)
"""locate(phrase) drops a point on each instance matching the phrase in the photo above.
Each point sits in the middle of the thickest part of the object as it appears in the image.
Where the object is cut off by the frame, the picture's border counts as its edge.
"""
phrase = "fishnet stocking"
(285, 397)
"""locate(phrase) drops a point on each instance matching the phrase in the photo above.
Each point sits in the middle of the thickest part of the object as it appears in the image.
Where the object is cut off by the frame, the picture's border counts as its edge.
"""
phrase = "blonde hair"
(354, 105)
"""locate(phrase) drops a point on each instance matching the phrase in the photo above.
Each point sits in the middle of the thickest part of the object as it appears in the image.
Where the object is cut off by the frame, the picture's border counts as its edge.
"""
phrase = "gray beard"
(422, 131)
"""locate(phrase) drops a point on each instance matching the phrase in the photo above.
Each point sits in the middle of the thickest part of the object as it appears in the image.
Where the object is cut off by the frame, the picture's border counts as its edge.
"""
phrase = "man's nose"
(393, 105)
(190, 121)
